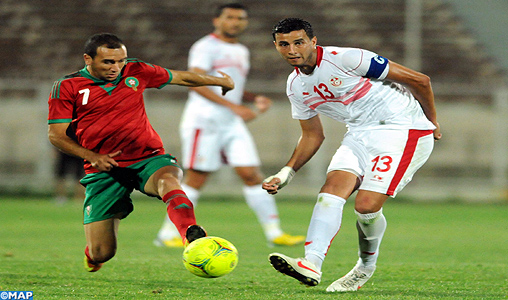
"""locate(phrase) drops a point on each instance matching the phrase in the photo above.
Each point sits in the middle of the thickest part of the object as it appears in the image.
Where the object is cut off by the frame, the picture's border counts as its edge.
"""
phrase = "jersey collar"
(108, 86)
(319, 55)
(87, 74)
(318, 59)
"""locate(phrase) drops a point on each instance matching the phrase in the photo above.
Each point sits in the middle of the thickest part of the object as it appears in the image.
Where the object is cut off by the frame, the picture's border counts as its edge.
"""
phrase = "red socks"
(180, 210)
(87, 253)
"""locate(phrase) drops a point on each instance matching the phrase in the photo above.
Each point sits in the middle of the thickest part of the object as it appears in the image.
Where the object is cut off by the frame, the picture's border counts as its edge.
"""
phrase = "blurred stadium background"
(460, 44)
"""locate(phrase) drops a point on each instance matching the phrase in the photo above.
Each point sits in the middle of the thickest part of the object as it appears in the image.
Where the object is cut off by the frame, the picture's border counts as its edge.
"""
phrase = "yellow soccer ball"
(210, 257)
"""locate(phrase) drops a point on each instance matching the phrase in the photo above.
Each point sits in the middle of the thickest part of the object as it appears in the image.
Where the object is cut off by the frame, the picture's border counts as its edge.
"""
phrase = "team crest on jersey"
(335, 81)
(132, 82)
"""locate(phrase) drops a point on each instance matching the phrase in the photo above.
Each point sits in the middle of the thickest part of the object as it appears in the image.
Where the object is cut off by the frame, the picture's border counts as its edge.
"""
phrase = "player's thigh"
(201, 148)
(105, 197)
(100, 232)
(367, 202)
(158, 174)
(352, 156)
(240, 149)
(340, 183)
(395, 156)
(163, 181)
(101, 237)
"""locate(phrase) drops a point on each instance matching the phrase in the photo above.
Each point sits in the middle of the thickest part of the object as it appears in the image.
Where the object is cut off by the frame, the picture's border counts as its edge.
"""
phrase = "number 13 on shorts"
(384, 161)
(390, 173)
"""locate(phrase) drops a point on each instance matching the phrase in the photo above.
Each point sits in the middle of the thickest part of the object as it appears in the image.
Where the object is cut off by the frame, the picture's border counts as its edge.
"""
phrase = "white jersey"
(212, 135)
(212, 54)
(347, 86)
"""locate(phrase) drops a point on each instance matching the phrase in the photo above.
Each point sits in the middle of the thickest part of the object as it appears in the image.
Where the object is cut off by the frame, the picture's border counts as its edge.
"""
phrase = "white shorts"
(384, 160)
(207, 149)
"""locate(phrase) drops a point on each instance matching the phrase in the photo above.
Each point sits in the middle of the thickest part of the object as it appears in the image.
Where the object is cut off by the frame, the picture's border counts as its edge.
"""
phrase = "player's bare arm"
(310, 141)
(244, 112)
(187, 78)
(420, 87)
(58, 137)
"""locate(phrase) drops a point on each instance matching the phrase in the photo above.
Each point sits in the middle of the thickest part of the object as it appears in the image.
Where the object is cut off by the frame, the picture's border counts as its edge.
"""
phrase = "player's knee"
(252, 181)
(340, 183)
(368, 202)
(343, 191)
(168, 181)
(366, 207)
(251, 178)
(103, 253)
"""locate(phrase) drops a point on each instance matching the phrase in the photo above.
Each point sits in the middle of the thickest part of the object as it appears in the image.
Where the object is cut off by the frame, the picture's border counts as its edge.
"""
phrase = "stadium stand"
(41, 37)
(41, 40)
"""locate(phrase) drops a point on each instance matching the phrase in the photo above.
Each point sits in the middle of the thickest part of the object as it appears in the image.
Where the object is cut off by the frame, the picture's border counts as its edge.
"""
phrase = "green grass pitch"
(430, 251)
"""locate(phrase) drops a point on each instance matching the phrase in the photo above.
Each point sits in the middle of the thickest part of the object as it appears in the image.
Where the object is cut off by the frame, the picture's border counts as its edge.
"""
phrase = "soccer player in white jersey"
(391, 118)
(213, 129)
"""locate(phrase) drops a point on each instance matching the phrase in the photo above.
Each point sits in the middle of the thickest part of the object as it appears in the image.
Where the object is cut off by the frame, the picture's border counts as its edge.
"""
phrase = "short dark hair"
(292, 24)
(109, 40)
(235, 5)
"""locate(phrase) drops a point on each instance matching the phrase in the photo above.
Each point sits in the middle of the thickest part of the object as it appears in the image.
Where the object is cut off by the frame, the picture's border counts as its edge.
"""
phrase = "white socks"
(324, 225)
(263, 205)
(371, 228)
(168, 230)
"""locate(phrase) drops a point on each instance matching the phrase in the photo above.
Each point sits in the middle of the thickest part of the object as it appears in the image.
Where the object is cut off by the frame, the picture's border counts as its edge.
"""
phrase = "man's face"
(107, 64)
(296, 48)
(232, 22)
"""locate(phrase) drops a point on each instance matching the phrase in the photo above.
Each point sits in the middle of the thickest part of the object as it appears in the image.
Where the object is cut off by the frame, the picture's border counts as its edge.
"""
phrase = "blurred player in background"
(104, 104)
(213, 129)
(68, 168)
(391, 118)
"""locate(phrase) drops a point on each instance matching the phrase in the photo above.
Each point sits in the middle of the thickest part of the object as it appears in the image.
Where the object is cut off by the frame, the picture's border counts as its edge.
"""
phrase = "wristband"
(285, 175)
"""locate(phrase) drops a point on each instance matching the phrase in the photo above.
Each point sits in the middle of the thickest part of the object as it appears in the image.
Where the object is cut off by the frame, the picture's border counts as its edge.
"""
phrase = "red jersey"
(110, 116)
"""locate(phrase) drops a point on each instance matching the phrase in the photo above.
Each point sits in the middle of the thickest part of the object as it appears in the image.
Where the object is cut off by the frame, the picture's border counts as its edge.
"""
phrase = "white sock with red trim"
(324, 225)
(371, 228)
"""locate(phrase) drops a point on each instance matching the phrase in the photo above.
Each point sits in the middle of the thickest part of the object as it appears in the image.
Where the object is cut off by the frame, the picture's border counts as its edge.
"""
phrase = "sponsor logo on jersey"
(335, 81)
(132, 82)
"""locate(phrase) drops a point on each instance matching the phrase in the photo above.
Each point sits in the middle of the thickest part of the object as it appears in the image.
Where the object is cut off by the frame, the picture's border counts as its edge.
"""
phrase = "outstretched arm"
(244, 112)
(193, 79)
(58, 137)
(420, 87)
(309, 143)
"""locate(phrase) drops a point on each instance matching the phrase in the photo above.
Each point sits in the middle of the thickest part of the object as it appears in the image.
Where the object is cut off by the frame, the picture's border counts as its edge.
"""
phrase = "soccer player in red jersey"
(103, 103)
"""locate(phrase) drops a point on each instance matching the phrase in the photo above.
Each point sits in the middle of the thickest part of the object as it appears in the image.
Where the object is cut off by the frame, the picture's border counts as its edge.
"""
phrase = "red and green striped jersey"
(110, 116)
